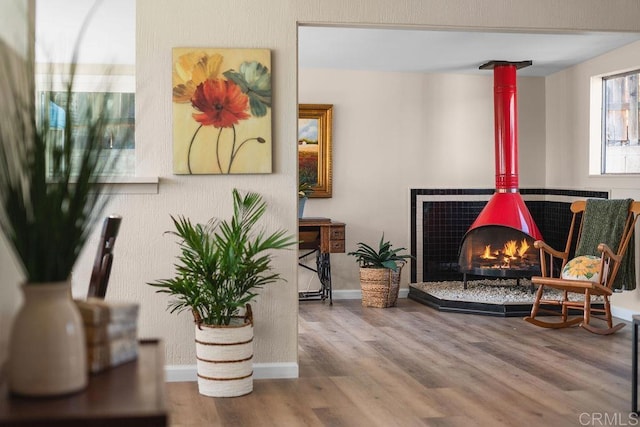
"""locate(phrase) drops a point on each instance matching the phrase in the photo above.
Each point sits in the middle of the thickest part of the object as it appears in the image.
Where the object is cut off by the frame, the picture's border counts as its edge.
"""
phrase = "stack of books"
(111, 331)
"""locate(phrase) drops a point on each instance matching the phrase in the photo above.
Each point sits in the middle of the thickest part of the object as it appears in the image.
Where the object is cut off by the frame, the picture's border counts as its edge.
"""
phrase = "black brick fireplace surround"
(441, 217)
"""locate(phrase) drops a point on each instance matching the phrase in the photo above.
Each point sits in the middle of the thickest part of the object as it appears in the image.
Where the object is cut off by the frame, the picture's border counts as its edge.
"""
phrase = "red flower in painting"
(221, 103)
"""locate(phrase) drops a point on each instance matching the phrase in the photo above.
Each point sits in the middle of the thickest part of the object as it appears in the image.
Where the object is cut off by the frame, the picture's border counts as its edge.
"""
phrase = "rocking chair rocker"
(600, 282)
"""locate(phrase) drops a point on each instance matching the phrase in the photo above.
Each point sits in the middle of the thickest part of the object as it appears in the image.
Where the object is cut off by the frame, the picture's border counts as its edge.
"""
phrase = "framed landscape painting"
(314, 147)
(221, 111)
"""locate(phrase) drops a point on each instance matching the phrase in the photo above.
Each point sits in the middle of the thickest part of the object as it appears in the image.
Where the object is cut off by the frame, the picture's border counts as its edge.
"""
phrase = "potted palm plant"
(380, 271)
(220, 267)
(50, 200)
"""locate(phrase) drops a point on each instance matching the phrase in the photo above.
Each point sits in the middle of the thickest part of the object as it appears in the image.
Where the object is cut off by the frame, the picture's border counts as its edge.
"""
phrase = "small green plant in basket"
(383, 257)
(380, 273)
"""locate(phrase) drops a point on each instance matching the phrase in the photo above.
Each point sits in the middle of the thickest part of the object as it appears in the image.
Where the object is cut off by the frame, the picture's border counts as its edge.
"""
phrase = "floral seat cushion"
(585, 267)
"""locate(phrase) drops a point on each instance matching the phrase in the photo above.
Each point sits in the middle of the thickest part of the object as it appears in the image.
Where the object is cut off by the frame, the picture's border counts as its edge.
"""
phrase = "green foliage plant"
(223, 263)
(48, 203)
(384, 257)
(304, 189)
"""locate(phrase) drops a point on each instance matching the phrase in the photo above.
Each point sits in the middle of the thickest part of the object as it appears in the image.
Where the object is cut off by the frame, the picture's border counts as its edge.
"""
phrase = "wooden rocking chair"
(600, 284)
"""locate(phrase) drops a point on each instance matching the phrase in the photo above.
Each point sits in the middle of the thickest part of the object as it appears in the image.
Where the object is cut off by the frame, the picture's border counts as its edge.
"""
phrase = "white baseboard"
(180, 373)
(347, 294)
(622, 313)
(261, 371)
(357, 294)
(265, 371)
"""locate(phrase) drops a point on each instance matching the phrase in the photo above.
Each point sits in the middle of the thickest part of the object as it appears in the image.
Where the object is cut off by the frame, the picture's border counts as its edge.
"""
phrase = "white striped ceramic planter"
(225, 359)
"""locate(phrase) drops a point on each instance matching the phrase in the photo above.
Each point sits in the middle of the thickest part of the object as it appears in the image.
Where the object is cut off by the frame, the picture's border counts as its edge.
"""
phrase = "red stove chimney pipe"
(506, 127)
(506, 207)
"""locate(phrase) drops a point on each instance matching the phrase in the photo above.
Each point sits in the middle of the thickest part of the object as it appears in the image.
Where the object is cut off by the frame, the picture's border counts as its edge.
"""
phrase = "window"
(620, 145)
(118, 141)
(105, 71)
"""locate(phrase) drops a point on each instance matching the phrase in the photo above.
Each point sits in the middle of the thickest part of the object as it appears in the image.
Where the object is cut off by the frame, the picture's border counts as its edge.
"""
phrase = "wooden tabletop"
(131, 394)
(313, 221)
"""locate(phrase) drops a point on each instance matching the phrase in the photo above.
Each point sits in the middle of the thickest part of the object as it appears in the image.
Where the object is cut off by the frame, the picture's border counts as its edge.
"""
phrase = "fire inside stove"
(500, 252)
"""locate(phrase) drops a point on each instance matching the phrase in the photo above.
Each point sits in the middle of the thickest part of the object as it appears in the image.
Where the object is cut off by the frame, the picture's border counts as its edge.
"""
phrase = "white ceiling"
(111, 36)
(429, 51)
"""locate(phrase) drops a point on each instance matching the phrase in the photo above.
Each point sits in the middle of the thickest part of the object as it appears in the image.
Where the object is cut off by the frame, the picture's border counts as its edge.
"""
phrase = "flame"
(510, 248)
(513, 252)
(487, 253)
(524, 246)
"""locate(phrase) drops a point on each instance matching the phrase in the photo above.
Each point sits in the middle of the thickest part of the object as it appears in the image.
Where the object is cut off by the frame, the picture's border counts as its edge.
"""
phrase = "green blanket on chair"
(604, 222)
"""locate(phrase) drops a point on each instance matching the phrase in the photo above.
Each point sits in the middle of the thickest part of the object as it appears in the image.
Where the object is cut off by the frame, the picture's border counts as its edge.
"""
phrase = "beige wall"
(567, 139)
(13, 31)
(13, 24)
(396, 131)
(143, 254)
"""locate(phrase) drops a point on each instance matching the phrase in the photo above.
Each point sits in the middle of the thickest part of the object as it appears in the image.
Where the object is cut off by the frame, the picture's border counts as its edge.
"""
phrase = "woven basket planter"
(379, 286)
(225, 358)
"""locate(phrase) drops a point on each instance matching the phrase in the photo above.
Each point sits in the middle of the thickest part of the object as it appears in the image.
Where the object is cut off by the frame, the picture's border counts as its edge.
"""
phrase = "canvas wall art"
(221, 111)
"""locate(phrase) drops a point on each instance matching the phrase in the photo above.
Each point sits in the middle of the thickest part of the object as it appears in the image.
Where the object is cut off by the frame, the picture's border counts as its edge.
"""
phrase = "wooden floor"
(414, 366)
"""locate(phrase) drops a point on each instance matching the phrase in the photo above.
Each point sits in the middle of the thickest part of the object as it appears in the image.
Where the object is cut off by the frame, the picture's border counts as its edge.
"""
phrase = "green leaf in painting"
(254, 79)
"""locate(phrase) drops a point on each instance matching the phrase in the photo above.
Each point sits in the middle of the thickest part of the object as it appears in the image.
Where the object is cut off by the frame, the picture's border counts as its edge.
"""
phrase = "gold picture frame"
(315, 123)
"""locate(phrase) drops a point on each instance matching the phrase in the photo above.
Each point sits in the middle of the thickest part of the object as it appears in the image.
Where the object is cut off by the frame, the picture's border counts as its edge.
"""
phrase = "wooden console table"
(131, 394)
(323, 237)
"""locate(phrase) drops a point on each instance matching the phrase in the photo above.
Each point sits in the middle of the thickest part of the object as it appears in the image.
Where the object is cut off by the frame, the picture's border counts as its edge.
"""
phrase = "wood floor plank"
(411, 365)
(280, 403)
(188, 408)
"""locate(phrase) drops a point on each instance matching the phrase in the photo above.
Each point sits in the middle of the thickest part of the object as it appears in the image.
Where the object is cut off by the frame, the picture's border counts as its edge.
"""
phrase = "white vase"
(47, 350)
(225, 359)
(301, 203)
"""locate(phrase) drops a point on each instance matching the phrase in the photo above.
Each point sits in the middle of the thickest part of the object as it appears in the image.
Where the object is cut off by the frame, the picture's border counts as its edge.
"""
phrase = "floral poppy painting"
(221, 111)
